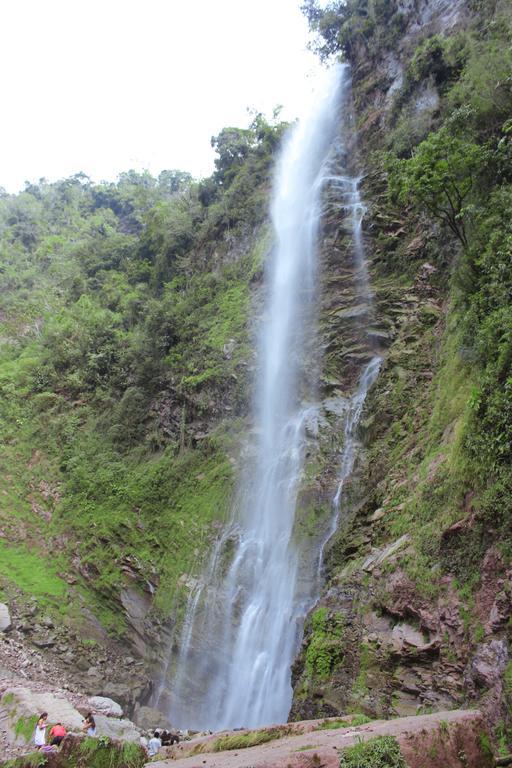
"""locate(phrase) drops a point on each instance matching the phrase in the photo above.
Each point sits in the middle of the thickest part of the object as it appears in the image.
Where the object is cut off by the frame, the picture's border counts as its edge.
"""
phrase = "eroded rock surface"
(448, 739)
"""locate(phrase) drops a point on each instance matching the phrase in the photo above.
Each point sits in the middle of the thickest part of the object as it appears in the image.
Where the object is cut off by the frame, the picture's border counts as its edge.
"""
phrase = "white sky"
(102, 86)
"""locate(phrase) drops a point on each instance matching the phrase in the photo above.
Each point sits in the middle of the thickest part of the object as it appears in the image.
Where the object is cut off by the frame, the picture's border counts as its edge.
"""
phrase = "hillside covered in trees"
(125, 352)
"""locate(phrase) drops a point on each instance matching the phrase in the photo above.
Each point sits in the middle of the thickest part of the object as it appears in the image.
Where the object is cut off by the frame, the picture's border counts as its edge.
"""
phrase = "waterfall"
(245, 617)
(351, 205)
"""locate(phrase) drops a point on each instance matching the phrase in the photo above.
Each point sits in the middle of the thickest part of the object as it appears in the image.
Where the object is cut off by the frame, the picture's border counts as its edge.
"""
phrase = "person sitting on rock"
(169, 738)
(40, 732)
(154, 745)
(165, 737)
(57, 733)
(89, 724)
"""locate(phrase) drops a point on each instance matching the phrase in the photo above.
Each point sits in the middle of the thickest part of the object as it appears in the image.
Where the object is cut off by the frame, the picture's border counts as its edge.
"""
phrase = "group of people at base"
(158, 739)
(57, 732)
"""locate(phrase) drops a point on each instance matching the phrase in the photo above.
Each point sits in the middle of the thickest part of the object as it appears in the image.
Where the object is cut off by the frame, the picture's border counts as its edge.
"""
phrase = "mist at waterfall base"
(244, 620)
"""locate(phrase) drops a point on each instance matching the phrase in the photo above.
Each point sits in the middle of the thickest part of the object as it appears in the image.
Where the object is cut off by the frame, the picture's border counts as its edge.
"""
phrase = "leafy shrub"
(382, 752)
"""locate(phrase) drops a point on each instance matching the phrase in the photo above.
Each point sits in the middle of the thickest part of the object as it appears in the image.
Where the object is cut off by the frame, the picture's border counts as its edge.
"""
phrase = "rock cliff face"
(412, 618)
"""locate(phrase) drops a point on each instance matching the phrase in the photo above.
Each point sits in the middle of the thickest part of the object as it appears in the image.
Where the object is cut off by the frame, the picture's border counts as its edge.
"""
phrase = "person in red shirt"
(57, 733)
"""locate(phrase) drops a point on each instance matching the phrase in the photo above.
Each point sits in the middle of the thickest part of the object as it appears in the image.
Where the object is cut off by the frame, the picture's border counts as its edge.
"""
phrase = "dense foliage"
(382, 752)
(124, 341)
(445, 157)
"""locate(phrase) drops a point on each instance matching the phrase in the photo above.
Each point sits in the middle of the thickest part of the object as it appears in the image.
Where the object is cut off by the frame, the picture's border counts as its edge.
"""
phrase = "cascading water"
(352, 206)
(244, 619)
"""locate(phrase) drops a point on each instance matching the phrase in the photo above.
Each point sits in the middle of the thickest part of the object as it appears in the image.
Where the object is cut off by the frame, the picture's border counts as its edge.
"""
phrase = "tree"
(232, 146)
(440, 177)
(174, 181)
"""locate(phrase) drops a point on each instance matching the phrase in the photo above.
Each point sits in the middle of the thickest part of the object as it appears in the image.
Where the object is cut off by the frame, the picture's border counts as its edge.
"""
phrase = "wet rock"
(47, 641)
(5, 618)
(488, 663)
(404, 637)
(149, 718)
(136, 606)
(119, 692)
(408, 680)
(228, 349)
(405, 704)
(379, 556)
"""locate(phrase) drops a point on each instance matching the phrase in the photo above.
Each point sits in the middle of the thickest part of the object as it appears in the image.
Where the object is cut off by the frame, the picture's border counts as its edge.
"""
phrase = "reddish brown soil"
(442, 740)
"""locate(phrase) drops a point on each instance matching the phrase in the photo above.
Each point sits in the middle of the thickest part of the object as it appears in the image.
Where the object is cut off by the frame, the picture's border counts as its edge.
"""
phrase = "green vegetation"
(124, 347)
(104, 753)
(354, 721)
(440, 176)
(88, 753)
(32, 760)
(242, 740)
(25, 727)
(31, 572)
(438, 151)
(382, 752)
(325, 646)
(453, 178)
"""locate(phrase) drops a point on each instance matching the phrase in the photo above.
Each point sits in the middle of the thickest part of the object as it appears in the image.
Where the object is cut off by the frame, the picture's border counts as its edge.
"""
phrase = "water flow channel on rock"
(245, 617)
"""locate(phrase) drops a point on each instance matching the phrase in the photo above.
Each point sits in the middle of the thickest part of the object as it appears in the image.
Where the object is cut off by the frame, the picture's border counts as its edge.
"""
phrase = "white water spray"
(245, 618)
(236, 655)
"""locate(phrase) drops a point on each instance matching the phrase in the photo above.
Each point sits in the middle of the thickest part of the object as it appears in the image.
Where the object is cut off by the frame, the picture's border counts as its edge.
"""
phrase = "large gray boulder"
(124, 730)
(21, 707)
(105, 706)
(149, 718)
(5, 618)
(118, 692)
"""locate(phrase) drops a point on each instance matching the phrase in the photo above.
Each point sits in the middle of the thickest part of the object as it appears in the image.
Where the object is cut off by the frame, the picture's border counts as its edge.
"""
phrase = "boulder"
(20, 708)
(124, 730)
(149, 718)
(136, 606)
(405, 637)
(105, 706)
(489, 662)
(117, 691)
(5, 618)
(378, 556)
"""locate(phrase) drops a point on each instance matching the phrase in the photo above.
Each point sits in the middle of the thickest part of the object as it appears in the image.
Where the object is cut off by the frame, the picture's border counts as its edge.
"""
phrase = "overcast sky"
(102, 86)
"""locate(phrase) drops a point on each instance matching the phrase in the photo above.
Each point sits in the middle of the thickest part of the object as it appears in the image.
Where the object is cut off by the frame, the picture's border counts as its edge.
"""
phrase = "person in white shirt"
(154, 745)
(40, 732)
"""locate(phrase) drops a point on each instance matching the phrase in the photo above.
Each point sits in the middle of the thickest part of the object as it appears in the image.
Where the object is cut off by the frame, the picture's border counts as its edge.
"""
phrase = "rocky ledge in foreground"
(454, 739)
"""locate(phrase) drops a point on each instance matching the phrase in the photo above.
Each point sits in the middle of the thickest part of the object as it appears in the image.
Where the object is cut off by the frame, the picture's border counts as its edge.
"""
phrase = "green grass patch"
(31, 572)
(32, 760)
(382, 752)
(356, 720)
(103, 753)
(25, 727)
(243, 740)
